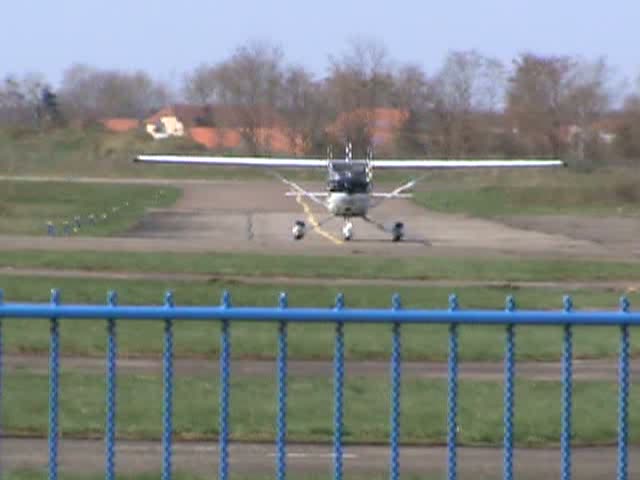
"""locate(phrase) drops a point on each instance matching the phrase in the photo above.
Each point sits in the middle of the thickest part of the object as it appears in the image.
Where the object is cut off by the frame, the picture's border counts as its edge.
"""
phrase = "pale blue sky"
(167, 38)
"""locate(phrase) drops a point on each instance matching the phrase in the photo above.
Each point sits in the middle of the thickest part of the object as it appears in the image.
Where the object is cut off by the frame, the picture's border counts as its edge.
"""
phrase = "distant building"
(120, 124)
(607, 128)
(381, 124)
(175, 120)
(216, 138)
(220, 127)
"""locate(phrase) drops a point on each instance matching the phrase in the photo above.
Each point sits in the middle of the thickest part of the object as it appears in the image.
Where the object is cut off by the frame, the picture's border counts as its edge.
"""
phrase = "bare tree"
(90, 93)
(304, 107)
(362, 76)
(201, 85)
(588, 100)
(412, 93)
(250, 83)
(360, 80)
(536, 99)
(21, 99)
(632, 101)
(547, 94)
(467, 86)
(627, 141)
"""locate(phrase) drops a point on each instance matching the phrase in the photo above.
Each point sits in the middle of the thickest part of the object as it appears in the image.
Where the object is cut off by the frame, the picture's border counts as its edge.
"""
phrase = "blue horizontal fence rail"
(340, 316)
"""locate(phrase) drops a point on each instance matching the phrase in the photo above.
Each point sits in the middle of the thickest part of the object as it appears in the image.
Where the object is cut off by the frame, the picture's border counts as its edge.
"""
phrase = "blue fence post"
(1, 372)
(54, 374)
(110, 428)
(509, 392)
(567, 387)
(396, 378)
(225, 372)
(167, 391)
(452, 395)
(623, 395)
(338, 392)
(281, 439)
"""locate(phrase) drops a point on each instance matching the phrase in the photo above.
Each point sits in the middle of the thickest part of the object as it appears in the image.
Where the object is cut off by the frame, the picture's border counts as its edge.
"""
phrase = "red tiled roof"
(120, 124)
(383, 122)
(273, 139)
(217, 115)
(213, 138)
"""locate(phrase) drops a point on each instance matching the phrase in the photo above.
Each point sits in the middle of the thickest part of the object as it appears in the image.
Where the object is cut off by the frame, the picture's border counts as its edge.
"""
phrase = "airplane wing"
(235, 161)
(444, 164)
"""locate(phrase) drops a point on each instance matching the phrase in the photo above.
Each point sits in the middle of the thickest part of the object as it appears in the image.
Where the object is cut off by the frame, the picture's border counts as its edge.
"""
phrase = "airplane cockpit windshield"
(348, 177)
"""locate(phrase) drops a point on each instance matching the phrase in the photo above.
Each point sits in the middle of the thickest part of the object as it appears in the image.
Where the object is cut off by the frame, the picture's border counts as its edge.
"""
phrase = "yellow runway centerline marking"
(314, 222)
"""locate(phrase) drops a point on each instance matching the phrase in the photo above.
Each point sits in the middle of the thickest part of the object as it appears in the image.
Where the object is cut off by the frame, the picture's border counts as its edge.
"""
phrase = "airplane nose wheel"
(298, 230)
(347, 231)
(397, 232)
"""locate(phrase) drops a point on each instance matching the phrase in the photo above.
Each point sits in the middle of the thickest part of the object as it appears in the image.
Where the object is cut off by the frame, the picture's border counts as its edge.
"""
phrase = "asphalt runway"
(256, 216)
(201, 458)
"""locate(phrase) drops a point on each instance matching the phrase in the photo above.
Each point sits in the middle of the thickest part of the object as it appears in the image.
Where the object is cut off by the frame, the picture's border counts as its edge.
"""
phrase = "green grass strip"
(421, 342)
(621, 197)
(253, 409)
(426, 268)
(26, 207)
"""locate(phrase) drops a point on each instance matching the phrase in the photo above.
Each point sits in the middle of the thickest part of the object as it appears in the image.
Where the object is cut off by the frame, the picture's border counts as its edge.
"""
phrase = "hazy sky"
(167, 38)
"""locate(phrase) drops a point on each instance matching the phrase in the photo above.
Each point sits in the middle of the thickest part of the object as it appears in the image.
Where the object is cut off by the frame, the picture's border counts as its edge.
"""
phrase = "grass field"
(95, 152)
(499, 200)
(257, 265)
(306, 341)
(366, 409)
(533, 192)
(26, 207)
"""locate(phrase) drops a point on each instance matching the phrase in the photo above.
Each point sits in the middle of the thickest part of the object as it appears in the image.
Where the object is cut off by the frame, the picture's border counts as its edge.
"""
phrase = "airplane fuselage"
(349, 186)
(343, 204)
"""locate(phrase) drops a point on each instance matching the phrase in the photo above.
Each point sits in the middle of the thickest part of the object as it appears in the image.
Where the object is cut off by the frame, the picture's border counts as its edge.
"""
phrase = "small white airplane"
(349, 192)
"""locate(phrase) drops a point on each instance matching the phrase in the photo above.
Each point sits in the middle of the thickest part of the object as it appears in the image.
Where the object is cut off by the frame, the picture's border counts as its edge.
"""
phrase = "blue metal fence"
(282, 315)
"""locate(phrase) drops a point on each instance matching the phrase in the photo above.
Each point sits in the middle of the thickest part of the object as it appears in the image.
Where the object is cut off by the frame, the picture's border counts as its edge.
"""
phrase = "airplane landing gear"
(298, 230)
(397, 232)
(347, 231)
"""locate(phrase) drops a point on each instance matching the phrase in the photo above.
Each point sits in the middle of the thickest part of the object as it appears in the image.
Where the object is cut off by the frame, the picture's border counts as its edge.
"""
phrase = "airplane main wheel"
(397, 232)
(347, 231)
(298, 230)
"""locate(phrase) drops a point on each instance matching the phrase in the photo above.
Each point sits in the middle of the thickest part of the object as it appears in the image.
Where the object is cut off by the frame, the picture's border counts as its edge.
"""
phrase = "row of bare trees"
(473, 104)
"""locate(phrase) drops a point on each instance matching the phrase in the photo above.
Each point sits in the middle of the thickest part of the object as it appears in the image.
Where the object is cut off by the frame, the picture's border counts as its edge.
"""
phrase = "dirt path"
(87, 456)
(486, 371)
